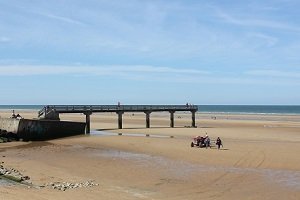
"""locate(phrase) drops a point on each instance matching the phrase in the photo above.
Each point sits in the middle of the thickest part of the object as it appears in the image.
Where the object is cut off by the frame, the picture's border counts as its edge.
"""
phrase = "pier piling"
(172, 119)
(88, 122)
(193, 119)
(147, 119)
(120, 120)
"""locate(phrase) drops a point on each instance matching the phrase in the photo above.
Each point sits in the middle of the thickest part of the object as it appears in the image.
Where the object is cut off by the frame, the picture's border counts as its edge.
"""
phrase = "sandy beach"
(259, 159)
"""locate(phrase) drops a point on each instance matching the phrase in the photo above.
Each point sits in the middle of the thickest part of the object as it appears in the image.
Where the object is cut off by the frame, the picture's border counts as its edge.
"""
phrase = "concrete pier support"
(194, 119)
(172, 119)
(120, 121)
(147, 119)
(88, 122)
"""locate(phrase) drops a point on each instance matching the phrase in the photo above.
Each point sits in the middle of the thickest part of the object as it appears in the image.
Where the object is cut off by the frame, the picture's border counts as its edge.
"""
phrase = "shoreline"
(250, 113)
(251, 117)
(179, 116)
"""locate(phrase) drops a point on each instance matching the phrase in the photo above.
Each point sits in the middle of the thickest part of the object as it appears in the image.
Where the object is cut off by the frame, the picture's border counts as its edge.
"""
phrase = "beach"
(259, 158)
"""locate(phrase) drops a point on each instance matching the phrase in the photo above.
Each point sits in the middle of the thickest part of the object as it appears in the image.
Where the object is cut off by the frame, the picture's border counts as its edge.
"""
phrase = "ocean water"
(251, 109)
(234, 109)
(21, 107)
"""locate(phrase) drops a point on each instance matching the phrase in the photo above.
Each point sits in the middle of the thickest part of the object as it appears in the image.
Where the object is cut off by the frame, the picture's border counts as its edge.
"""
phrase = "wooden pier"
(53, 111)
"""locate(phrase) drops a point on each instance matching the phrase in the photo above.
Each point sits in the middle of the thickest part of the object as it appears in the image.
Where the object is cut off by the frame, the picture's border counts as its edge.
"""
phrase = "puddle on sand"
(105, 133)
(178, 168)
(284, 177)
(6, 182)
(183, 170)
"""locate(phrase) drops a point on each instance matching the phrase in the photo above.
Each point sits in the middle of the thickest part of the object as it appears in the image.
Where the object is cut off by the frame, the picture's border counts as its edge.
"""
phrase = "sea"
(224, 109)
(251, 109)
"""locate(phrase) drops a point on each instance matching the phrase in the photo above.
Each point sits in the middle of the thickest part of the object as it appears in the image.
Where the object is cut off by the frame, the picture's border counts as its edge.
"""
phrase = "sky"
(150, 52)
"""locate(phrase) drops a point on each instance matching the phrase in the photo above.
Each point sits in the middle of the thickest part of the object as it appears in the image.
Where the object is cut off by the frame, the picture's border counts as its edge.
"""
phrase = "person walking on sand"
(219, 143)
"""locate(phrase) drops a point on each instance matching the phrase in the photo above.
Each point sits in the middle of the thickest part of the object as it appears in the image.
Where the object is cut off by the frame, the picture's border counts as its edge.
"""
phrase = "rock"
(63, 186)
(25, 178)
(12, 174)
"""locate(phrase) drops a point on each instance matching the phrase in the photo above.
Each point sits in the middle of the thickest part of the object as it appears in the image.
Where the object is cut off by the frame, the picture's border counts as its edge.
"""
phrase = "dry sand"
(260, 159)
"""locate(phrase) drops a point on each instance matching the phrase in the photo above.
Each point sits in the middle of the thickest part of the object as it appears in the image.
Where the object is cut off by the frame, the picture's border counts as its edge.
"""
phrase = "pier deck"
(53, 111)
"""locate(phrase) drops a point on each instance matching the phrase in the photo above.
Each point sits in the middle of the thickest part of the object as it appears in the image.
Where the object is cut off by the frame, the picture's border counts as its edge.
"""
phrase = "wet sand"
(259, 160)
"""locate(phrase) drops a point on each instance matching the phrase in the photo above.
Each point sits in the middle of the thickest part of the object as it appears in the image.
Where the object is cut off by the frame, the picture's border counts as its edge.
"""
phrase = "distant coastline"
(209, 109)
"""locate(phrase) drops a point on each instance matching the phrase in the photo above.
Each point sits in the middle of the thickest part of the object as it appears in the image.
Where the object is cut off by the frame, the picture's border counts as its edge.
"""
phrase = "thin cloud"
(4, 39)
(27, 70)
(152, 73)
(59, 18)
(271, 41)
(255, 22)
(215, 79)
(274, 73)
(63, 19)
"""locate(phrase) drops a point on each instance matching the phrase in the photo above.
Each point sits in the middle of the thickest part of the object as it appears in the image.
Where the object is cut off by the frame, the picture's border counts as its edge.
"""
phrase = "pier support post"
(172, 119)
(194, 119)
(147, 119)
(88, 122)
(120, 123)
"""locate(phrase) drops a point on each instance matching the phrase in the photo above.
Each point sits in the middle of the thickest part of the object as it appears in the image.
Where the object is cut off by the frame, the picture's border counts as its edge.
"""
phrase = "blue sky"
(149, 52)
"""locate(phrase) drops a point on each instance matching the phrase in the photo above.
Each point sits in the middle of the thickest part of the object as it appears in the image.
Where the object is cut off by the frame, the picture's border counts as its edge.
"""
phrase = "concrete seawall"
(9, 124)
(31, 129)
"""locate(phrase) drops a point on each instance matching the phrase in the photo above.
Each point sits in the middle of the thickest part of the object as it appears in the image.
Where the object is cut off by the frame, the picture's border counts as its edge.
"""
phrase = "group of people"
(189, 105)
(205, 141)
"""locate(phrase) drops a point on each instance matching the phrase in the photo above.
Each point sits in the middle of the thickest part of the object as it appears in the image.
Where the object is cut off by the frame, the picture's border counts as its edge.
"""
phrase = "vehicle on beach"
(201, 142)
(198, 141)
